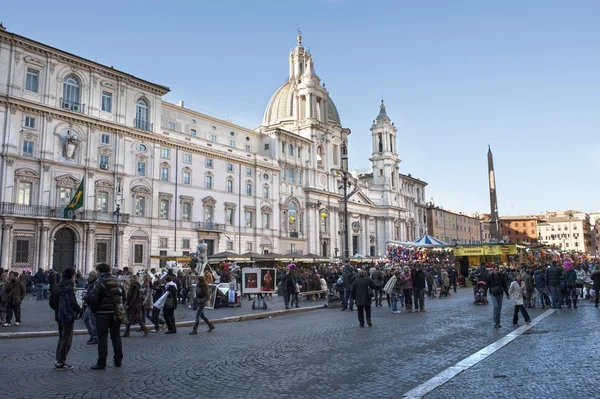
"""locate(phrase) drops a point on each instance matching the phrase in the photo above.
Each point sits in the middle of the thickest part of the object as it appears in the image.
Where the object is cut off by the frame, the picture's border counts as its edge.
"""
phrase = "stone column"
(6, 248)
(89, 242)
(43, 263)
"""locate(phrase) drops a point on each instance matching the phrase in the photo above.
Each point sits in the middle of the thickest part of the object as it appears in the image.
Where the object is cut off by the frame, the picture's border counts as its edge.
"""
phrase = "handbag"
(169, 303)
(160, 303)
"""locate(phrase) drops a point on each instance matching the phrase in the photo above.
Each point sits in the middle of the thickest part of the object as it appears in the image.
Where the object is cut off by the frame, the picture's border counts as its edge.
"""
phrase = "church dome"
(281, 106)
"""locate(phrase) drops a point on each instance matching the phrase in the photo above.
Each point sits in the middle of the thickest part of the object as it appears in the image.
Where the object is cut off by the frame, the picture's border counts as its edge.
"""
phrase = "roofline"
(414, 179)
(437, 208)
(211, 118)
(160, 88)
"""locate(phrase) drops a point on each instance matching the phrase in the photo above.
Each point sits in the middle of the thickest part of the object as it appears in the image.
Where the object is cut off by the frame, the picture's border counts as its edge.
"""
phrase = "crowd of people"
(113, 298)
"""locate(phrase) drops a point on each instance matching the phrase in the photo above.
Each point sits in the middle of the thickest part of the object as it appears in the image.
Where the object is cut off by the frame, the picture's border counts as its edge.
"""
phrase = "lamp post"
(345, 185)
(117, 212)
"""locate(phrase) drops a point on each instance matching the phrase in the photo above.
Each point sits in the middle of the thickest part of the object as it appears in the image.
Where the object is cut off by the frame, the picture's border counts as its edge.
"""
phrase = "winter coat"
(445, 279)
(360, 290)
(13, 292)
(348, 277)
(596, 280)
(570, 278)
(106, 294)
(88, 293)
(377, 278)
(146, 293)
(64, 285)
(24, 278)
(133, 304)
(201, 295)
(39, 278)
(288, 284)
(418, 279)
(528, 281)
(581, 276)
(553, 274)
(517, 292)
(495, 281)
(452, 275)
(171, 288)
(540, 279)
(407, 281)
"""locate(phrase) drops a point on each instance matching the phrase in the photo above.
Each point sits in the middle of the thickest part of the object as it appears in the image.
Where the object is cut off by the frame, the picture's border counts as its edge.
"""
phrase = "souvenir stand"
(227, 294)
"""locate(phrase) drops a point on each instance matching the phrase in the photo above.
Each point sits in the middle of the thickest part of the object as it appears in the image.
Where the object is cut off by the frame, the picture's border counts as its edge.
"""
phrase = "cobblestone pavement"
(37, 315)
(320, 354)
(556, 359)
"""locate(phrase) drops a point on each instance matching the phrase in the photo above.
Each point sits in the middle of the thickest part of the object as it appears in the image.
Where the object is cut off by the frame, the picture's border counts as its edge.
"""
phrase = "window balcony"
(50, 212)
(71, 105)
(142, 125)
(209, 226)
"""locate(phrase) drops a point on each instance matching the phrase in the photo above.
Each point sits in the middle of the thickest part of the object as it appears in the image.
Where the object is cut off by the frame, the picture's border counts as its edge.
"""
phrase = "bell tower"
(384, 158)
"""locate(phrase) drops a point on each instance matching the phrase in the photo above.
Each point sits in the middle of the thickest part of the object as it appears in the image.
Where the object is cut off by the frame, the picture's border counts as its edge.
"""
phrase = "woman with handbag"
(170, 305)
(133, 307)
(199, 303)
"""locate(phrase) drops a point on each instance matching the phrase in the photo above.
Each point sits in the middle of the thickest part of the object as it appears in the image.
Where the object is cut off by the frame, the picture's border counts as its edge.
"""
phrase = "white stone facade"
(568, 230)
(179, 175)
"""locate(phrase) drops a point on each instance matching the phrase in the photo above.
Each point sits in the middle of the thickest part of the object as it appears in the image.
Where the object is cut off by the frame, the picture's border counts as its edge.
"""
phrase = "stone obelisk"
(495, 232)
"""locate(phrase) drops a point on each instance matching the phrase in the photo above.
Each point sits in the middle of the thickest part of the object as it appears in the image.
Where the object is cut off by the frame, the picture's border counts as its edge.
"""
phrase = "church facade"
(176, 175)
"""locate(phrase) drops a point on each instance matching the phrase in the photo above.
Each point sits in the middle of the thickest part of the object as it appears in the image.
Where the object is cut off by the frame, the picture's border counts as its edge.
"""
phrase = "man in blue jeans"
(496, 284)
(40, 281)
(348, 276)
(553, 274)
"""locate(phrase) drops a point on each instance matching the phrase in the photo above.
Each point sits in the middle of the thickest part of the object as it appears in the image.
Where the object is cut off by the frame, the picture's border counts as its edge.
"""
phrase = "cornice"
(51, 113)
(77, 61)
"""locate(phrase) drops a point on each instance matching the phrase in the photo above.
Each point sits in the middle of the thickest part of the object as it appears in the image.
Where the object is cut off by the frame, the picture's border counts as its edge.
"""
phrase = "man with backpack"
(66, 310)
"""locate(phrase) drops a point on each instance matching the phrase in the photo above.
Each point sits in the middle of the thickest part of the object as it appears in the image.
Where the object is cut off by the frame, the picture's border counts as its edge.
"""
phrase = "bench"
(310, 293)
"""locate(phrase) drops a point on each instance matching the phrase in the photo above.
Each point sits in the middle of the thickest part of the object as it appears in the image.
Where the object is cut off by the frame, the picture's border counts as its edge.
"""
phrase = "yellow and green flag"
(77, 200)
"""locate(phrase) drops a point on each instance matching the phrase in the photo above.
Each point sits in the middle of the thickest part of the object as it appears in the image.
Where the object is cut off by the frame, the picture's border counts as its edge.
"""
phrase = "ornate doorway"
(64, 250)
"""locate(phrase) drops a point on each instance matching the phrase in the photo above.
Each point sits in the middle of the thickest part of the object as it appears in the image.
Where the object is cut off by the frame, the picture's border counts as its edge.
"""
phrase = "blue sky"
(522, 76)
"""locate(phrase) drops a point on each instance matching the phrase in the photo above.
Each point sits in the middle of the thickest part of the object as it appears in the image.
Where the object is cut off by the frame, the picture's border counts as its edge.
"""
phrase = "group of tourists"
(560, 284)
(109, 301)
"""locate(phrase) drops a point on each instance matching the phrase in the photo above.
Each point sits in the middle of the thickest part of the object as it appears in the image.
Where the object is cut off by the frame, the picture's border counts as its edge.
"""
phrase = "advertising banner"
(483, 250)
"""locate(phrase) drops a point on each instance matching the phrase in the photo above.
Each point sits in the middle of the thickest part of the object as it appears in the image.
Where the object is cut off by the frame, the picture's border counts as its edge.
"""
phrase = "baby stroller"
(333, 300)
(480, 297)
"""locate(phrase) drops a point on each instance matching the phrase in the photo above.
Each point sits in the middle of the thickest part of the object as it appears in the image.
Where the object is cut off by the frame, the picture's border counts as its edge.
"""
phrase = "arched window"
(71, 93)
(380, 144)
(293, 218)
(142, 115)
(291, 149)
(320, 156)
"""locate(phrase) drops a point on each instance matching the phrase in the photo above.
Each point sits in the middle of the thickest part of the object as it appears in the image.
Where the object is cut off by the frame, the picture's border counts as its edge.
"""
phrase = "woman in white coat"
(516, 290)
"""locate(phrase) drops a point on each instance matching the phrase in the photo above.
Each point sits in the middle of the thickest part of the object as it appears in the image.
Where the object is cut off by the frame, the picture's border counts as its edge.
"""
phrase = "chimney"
(181, 104)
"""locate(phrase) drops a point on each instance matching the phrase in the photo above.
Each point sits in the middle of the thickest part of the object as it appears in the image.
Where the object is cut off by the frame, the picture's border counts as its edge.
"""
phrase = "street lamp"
(117, 212)
(345, 185)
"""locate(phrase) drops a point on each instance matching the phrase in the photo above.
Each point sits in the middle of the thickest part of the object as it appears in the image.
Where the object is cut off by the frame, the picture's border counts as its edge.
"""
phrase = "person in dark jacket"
(539, 278)
(171, 304)
(105, 302)
(378, 278)
(200, 301)
(65, 286)
(452, 275)
(596, 282)
(39, 280)
(13, 294)
(418, 281)
(88, 317)
(360, 293)
(288, 285)
(496, 284)
(133, 307)
(553, 276)
(348, 277)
